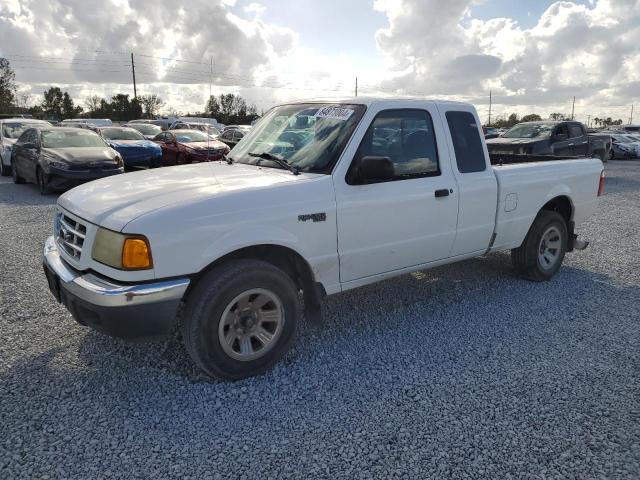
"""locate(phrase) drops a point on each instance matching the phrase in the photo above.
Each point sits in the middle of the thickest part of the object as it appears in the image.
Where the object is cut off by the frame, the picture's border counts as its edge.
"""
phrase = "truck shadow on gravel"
(483, 291)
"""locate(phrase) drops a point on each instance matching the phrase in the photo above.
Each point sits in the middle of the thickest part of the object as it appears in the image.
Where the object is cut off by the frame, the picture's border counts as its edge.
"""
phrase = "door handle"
(443, 192)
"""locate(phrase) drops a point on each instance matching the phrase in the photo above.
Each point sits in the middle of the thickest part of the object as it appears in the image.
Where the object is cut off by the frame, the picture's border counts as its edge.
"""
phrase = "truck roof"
(368, 101)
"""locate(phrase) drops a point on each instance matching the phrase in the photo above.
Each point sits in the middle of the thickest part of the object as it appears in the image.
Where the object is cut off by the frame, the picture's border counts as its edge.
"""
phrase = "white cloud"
(591, 51)
(429, 48)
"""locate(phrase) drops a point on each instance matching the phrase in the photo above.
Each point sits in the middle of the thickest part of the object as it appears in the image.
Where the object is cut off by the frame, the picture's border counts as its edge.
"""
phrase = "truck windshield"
(308, 136)
(530, 130)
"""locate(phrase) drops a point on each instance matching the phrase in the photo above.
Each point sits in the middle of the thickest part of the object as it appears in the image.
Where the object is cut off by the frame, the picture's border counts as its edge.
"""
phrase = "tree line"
(57, 104)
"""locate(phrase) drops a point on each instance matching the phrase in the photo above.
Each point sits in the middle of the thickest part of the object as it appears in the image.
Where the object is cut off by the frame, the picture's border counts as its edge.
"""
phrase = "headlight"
(119, 161)
(59, 165)
(122, 251)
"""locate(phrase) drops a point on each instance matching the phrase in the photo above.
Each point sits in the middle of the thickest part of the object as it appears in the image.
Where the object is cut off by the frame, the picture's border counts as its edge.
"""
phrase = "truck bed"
(513, 158)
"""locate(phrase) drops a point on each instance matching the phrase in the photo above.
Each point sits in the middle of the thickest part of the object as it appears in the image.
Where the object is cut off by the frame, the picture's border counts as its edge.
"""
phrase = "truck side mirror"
(372, 169)
(558, 137)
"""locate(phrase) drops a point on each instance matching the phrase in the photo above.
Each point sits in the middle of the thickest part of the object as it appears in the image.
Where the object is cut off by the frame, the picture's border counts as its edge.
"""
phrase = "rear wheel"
(241, 318)
(542, 252)
(14, 173)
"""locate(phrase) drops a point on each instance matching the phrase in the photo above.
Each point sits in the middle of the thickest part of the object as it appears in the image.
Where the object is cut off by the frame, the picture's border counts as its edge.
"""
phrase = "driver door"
(563, 146)
(406, 221)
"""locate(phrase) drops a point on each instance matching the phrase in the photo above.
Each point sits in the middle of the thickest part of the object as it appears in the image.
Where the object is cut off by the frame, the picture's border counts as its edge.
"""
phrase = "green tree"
(557, 116)
(7, 86)
(122, 108)
(229, 108)
(92, 102)
(532, 117)
(69, 110)
(52, 103)
(151, 104)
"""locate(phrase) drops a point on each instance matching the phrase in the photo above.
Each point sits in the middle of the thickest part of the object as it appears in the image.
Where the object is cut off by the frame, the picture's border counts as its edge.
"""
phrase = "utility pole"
(356, 86)
(631, 117)
(489, 123)
(133, 72)
(588, 121)
(573, 107)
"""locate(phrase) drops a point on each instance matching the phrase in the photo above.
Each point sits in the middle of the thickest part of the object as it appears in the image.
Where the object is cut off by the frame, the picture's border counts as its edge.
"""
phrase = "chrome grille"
(70, 235)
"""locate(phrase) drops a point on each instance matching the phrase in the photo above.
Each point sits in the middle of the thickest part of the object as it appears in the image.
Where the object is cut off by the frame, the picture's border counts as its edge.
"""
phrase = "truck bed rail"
(512, 158)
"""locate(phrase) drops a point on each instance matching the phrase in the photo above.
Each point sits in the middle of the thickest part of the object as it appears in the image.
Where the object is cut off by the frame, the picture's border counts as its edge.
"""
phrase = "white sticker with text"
(337, 113)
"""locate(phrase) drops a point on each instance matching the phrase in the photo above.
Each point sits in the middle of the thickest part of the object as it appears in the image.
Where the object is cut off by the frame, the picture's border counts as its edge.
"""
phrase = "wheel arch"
(285, 258)
(562, 205)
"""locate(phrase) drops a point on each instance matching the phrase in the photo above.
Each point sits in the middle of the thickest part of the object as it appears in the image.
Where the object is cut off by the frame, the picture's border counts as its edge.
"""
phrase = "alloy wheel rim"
(550, 248)
(251, 324)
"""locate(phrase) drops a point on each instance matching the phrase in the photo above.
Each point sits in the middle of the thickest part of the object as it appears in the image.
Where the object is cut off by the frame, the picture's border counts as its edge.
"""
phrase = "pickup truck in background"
(318, 198)
(557, 138)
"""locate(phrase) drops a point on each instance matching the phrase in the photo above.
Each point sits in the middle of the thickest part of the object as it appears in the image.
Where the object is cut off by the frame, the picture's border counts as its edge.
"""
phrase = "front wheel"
(14, 173)
(43, 182)
(542, 252)
(5, 170)
(241, 318)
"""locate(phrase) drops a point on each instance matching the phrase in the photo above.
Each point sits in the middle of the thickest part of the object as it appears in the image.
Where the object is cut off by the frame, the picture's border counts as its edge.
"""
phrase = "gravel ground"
(464, 371)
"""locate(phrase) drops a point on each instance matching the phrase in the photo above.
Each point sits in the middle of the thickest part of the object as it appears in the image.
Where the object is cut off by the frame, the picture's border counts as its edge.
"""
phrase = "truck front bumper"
(117, 309)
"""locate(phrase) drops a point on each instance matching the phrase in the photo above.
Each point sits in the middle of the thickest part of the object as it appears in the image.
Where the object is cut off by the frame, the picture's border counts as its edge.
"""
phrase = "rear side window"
(466, 142)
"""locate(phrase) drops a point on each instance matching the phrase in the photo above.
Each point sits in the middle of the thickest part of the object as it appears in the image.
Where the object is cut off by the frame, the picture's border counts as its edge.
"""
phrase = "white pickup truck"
(319, 198)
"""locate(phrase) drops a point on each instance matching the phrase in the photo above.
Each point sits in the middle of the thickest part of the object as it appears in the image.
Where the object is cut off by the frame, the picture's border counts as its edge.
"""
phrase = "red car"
(188, 146)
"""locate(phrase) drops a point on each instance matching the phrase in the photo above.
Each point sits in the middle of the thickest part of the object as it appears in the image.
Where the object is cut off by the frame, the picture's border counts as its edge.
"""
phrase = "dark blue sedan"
(136, 151)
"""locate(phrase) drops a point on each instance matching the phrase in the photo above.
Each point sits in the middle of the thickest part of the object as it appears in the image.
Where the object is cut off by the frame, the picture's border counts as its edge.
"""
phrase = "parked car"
(623, 146)
(10, 130)
(98, 122)
(560, 138)
(58, 158)
(232, 135)
(148, 130)
(188, 146)
(89, 126)
(136, 150)
(490, 132)
(203, 127)
(373, 189)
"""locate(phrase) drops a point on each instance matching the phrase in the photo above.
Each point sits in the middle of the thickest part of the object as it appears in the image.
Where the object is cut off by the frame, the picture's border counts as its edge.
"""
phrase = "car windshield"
(71, 139)
(146, 128)
(308, 136)
(121, 134)
(190, 136)
(15, 129)
(529, 130)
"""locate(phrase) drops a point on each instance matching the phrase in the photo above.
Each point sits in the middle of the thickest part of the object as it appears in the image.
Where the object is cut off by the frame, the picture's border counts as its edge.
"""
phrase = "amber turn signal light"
(136, 254)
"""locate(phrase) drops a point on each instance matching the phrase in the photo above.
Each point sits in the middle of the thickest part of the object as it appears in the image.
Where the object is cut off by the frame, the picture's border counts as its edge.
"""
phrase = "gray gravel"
(463, 371)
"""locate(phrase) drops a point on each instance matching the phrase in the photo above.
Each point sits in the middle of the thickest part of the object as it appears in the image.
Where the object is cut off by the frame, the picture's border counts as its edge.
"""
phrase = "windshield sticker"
(337, 113)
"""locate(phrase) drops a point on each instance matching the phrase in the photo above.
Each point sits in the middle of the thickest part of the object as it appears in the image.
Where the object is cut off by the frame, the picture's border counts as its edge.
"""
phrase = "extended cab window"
(406, 137)
(466, 142)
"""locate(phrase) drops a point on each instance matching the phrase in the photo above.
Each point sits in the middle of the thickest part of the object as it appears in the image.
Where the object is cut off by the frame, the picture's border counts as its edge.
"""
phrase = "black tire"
(14, 173)
(43, 183)
(528, 260)
(5, 171)
(214, 294)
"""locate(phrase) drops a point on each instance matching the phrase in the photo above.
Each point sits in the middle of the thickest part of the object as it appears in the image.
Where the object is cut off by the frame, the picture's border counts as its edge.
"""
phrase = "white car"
(10, 130)
(369, 189)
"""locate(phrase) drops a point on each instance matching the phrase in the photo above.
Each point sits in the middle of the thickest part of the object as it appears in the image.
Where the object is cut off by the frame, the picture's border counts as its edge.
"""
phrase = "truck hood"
(114, 201)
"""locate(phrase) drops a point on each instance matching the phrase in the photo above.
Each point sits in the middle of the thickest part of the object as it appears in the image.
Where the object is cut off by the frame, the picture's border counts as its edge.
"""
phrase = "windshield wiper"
(276, 159)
